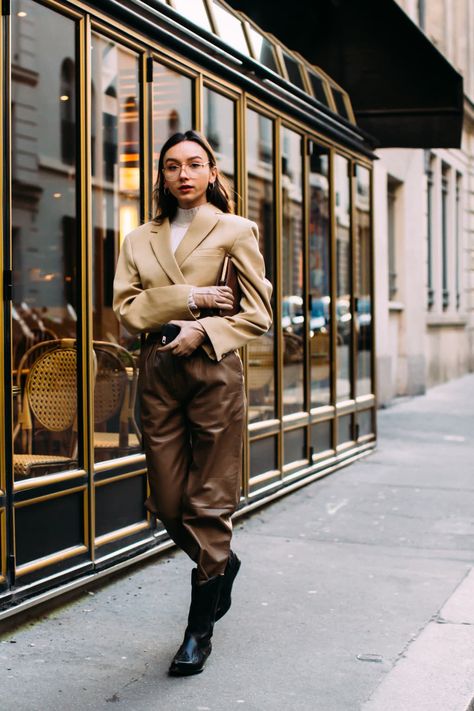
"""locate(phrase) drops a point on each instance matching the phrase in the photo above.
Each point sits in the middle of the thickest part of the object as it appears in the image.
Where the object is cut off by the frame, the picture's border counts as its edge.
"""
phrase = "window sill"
(440, 320)
(396, 306)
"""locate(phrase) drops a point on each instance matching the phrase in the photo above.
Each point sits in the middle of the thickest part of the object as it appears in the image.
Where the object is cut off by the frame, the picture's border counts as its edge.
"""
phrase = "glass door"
(50, 484)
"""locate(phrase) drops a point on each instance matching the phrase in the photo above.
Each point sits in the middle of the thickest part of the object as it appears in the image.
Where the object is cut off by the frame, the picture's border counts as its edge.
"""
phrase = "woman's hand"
(213, 297)
(190, 337)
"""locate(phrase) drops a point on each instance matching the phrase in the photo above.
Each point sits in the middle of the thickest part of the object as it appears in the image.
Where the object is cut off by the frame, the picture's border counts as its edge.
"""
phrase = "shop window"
(172, 105)
(293, 311)
(261, 206)
(319, 235)
(219, 128)
(45, 247)
(68, 112)
(115, 212)
(230, 29)
(344, 353)
(363, 281)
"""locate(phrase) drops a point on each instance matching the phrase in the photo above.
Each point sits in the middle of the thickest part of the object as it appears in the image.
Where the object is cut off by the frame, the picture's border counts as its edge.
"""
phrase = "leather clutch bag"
(228, 277)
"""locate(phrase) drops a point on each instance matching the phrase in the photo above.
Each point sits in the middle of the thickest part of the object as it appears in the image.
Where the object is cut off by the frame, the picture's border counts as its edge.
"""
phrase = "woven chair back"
(110, 385)
(51, 388)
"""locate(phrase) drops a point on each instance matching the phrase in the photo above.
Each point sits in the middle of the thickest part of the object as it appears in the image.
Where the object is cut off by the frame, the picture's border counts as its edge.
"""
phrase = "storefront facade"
(90, 93)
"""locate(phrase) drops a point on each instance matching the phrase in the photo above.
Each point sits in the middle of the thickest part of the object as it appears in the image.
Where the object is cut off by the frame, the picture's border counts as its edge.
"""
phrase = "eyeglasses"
(193, 170)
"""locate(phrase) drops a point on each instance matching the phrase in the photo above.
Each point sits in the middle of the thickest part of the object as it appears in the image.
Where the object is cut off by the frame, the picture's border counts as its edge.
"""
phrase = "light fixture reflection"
(128, 220)
(21, 13)
(64, 97)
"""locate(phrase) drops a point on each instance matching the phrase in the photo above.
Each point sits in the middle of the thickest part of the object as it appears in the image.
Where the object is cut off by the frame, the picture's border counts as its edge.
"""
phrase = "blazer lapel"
(206, 218)
(160, 240)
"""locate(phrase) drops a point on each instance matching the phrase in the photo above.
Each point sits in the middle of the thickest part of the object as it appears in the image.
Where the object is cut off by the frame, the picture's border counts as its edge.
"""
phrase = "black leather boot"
(196, 647)
(230, 573)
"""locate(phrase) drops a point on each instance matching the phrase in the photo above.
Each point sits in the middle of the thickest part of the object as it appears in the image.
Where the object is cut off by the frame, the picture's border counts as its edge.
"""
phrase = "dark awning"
(403, 90)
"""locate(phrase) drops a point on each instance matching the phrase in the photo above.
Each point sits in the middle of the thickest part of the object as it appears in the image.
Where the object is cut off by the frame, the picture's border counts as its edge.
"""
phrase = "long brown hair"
(219, 194)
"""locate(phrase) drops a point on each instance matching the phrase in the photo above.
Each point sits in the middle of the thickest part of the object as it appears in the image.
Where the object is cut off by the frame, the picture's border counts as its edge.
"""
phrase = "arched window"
(68, 112)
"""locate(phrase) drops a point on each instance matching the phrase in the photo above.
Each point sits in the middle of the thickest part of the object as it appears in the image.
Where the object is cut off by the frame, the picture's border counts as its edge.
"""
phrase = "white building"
(424, 234)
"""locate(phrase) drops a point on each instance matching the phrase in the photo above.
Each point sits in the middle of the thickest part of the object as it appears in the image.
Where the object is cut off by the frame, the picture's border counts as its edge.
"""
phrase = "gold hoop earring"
(166, 191)
(211, 186)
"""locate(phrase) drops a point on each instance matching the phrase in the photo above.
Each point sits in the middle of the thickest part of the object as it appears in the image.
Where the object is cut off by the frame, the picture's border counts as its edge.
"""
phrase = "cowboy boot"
(230, 573)
(196, 647)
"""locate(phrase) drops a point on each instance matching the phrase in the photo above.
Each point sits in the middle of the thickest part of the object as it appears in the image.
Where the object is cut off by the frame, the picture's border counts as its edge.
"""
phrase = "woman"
(191, 389)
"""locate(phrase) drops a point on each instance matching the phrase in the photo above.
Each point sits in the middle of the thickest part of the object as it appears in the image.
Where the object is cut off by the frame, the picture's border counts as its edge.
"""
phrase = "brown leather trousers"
(192, 413)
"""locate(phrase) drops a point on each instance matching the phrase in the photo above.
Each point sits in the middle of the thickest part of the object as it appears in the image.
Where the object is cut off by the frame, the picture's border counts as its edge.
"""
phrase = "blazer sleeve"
(226, 333)
(140, 309)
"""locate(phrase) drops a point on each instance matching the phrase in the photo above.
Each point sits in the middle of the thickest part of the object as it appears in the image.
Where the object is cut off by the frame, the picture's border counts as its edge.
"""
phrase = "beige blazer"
(152, 284)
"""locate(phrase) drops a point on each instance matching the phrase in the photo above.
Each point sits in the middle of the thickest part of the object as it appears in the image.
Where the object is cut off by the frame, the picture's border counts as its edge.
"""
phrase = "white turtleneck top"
(180, 225)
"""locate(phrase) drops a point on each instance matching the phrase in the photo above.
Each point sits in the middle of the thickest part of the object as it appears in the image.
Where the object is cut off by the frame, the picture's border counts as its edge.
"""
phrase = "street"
(356, 592)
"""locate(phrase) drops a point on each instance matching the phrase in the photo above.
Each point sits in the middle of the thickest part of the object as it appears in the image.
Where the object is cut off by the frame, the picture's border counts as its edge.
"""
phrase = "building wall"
(424, 234)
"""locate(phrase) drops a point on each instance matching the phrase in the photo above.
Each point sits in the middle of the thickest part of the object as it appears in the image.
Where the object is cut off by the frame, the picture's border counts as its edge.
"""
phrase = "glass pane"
(365, 421)
(293, 319)
(321, 436)
(340, 103)
(172, 106)
(345, 429)
(263, 50)
(343, 278)
(45, 242)
(263, 456)
(320, 277)
(362, 246)
(318, 88)
(195, 11)
(115, 212)
(219, 128)
(293, 70)
(261, 351)
(294, 446)
(230, 29)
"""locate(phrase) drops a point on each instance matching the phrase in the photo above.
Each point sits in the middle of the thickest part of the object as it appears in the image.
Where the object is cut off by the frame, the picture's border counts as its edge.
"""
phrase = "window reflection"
(195, 11)
(261, 351)
(230, 28)
(362, 290)
(263, 50)
(319, 277)
(172, 105)
(115, 212)
(343, 278)
(219, 129)
(293, 319)
(44, 243)
(293, 69)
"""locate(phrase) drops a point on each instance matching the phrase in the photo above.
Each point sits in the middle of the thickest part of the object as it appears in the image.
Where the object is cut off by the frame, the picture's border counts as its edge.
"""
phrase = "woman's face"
(185, 157)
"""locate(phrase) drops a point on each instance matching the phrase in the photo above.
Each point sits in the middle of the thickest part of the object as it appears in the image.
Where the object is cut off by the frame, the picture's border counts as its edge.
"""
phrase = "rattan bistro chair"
(115, 395)
(48, 401)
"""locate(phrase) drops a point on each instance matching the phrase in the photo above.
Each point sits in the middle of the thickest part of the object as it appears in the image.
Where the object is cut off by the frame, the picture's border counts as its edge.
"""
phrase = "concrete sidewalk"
(356, 592)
